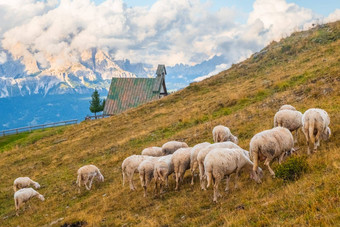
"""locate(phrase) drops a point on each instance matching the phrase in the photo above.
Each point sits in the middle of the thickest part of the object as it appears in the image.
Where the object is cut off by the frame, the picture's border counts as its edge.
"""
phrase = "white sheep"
(315, 126)
(130, 166)
(203, 153)
(146, 170)
(269, 144)
(23, 195)
(287, 107)
(153, 151)
(172, 146)
(24, 182)
(222, 162)
(193, 158)
(181, 161)
(162, 169)
(86, 174)
(290, 119)
(222, 133)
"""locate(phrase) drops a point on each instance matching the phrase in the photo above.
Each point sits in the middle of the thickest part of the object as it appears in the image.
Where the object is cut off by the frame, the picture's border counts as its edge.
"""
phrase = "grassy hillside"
(302, 70)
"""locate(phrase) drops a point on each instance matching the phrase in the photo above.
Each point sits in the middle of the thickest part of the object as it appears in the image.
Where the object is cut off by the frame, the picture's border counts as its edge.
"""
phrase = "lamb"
(172, 146)
(290, 119)
(269, 144)
(181, 161)
(146, 170)
(315, 126)
(203, 153)
(162, 169)
(222, 133)
(130, 166)
(153, 151)
(86, 174)
(287, 107)
(23, 195)
(24, 182)
(222, 162)
(193, 158)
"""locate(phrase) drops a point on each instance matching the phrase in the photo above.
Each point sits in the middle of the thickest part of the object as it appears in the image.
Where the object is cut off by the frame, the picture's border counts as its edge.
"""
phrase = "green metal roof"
(126, 93)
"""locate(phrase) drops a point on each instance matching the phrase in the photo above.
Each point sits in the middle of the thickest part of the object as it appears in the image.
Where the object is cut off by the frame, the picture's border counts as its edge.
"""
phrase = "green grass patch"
(292, 169)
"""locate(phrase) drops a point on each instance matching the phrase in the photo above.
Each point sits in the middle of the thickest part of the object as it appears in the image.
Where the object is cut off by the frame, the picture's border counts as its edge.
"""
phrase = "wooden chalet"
(126, 93)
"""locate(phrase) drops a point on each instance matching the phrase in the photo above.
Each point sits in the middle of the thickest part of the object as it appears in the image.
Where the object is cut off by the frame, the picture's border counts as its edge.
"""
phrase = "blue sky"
(323, 7)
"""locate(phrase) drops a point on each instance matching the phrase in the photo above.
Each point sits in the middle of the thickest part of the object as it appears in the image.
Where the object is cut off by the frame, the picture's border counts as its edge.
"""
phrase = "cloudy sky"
(152, 31)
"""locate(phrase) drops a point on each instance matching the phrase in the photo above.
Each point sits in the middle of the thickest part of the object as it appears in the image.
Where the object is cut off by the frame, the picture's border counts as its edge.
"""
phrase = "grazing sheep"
(290, 119)
(193, 158)
(86, 174)
(222, 162)
(203, 153)
(130, 166)
(222, 133)
(269, 144)
(172, 146)
(162, 169)
(24, 182)
(315, 126)
(146, 169)
(23, 195)
(181, 160)
(153, 151)
(287, 107)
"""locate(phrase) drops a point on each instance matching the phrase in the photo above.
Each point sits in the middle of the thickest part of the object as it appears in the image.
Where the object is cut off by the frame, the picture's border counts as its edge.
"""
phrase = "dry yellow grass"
(302, 70)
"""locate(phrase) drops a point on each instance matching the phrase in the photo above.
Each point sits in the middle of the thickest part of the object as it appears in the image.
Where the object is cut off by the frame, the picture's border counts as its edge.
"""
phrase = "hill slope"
(302, 70)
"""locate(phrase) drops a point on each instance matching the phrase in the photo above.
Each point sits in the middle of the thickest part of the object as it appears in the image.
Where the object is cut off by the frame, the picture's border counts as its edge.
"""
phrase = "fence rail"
(34, 127)
(98, 116)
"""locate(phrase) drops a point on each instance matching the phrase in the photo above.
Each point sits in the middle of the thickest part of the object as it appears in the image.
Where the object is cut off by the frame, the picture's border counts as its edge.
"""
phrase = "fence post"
(16, 131)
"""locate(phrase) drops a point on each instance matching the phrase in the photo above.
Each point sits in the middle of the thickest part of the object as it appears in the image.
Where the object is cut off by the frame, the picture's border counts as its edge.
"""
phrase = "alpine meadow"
(302, 70)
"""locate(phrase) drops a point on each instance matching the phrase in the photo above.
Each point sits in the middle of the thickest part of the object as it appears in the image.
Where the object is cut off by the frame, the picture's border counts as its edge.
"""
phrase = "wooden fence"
(31, 128)
(98, 116)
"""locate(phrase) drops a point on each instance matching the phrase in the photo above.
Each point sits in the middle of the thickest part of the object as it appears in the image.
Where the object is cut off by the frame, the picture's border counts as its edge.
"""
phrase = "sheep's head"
(41, 197)
(101, 178)
(257, 175)
(326, 134)
(36, 185)
(290, 153)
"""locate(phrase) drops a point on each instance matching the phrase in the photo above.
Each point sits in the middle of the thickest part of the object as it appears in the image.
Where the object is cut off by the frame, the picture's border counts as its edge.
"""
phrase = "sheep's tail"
(16, 203)
(214, 137)
(209, 178)
(255, 157)
(311, 127)
(15, 188)
(78, 180)
(143, 179)
(123, 176)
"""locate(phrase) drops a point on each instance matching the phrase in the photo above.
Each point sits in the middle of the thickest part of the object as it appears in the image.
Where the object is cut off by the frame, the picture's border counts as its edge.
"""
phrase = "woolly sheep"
(130, 166)
(287, 107)
(222, 162)
(86, 174)
(222, 133)
(24, 182)
(203, 153)
(270, 144)
(146, 169)
(181, 161)
(315, 126)
(171, 146)
(162, 169)
(193, 158)
(290, 119)
(23, 195)
(153, 151)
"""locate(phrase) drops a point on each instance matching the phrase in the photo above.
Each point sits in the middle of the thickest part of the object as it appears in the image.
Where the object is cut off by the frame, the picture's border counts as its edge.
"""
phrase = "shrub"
(292, 169)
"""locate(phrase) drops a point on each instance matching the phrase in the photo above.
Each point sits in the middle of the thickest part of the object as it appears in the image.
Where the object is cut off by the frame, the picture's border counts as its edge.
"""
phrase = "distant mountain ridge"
(94, 69)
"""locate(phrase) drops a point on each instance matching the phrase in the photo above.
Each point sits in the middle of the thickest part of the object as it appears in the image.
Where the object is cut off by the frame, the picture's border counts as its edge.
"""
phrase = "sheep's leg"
(193, 169)
(91, 180)
(281, 157)
(317, 140)
(201, 170)
(86, 179)
(177, 180)
(227, 184)
(216, 192)
(267, 163)
(130, 179)
(237, 174)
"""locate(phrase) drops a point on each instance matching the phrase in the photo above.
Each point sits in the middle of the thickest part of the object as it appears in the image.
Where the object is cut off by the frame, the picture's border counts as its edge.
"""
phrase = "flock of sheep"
(215, 161)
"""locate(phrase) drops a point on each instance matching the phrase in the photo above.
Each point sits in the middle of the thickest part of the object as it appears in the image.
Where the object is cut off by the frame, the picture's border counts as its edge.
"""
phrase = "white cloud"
(3, 57)
(55, 34)
(335, 16)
